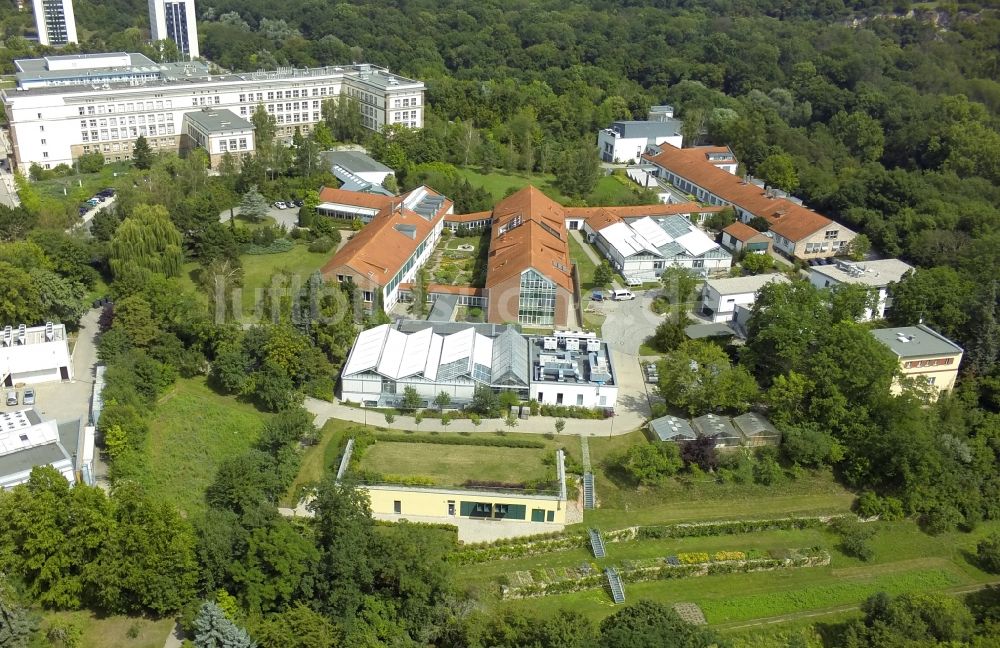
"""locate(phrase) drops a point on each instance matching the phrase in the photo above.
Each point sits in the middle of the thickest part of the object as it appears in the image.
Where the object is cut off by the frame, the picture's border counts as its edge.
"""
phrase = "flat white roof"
(738, 285)
(868, 273)
(40, 349)
(23, 429)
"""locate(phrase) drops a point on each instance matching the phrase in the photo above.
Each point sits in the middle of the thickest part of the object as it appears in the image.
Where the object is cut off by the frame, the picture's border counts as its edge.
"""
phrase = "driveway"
(288, 218)
(67, 401)
(629, 323)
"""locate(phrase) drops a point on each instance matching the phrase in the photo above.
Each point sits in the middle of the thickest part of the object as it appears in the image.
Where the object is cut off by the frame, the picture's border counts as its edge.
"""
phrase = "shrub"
(870, 505)
(693, 558)
(988, 553)
(322, 244)
(496, 442)
(276, 247)
(855, 537)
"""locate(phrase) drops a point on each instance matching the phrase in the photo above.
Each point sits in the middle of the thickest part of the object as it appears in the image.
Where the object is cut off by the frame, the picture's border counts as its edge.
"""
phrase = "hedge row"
(475, 554)
(276, 247)
(495, 442)
(735, 527)
(511, 548)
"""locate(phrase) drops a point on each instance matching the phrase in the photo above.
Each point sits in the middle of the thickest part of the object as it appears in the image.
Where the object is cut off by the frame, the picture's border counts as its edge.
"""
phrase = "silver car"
(12, 397)
(29, 396)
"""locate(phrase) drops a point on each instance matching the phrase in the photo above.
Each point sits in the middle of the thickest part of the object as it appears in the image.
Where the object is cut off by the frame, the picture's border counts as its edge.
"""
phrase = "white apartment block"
(55, 21)
(67, 106)
(174, 20)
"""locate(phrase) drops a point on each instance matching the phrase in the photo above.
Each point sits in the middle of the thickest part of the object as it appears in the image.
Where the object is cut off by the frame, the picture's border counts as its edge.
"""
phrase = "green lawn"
(192, 431)
(498, 183)
(583, 263)
(82, 186)
(613, 190)
(298, 263)
(109, 631)
(451, 465)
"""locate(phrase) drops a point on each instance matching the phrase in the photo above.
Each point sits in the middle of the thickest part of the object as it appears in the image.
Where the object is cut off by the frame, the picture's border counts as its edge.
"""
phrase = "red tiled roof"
(354, 198)
(380, 249)
(741, 231)
(637, 211)
(467, 218)
(788, 219)
(538, 242)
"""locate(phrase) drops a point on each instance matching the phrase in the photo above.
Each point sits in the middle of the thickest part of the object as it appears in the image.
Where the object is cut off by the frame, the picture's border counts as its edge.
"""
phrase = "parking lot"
(70, 400)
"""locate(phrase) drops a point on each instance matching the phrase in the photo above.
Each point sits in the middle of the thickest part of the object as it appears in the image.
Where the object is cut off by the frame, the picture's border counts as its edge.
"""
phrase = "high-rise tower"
(174, 20)
(55, 21)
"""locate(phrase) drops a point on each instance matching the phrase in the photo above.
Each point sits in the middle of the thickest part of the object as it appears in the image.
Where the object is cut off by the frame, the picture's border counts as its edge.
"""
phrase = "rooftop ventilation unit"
(22, 334)
(572, 344)
(8, 336)
(550, 343)
(49, 331)
(593, 344)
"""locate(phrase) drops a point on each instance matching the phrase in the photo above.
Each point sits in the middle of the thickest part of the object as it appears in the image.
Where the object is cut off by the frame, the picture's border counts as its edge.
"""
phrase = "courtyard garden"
(460, 260)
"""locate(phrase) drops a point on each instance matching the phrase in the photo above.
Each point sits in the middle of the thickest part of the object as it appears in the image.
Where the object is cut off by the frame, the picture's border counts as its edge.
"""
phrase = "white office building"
(34, 355)
(55, 22)
(626, 141)
(567, 368)
(67, 106)
(722, 298)
(642, 249)
(876, 275)
(174, 20)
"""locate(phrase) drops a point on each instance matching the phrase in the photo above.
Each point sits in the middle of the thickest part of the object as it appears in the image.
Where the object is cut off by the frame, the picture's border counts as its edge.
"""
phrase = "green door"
(537, 515)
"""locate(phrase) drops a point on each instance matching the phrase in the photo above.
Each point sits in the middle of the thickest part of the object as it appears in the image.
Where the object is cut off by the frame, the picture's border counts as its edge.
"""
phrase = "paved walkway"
(624, 422)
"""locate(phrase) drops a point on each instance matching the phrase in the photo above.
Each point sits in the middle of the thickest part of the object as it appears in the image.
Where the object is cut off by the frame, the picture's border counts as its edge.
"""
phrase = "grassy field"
(622, 504)
(193, 430)
(905, 560)
(454, 465)
(499, 183)
(319, 459)
(107, 632)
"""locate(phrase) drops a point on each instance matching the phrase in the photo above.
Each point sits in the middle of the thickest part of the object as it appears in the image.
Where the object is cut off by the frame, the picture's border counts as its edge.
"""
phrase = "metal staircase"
(615, 584)
(589, 500)
(596, 544)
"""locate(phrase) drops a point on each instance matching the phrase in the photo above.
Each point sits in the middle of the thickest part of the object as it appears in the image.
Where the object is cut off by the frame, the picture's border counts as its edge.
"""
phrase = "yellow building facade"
(925, 355)
(404, 501)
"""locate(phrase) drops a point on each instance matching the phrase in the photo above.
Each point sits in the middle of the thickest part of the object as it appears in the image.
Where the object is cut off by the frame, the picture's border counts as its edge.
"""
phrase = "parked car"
(280, 205)
(12, 397)
(29, 396)
(652, 373)
(622, 295)
(597, 296)
(297, 203)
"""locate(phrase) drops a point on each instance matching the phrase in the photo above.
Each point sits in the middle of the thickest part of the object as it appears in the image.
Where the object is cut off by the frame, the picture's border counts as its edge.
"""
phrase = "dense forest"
(884, 119)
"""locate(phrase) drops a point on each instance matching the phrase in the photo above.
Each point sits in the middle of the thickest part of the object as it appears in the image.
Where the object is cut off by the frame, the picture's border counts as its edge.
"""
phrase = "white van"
(622, 295)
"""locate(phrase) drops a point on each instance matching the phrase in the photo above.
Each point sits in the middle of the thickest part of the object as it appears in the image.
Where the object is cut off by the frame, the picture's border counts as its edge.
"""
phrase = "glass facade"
(177, 27)
(537, 300)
